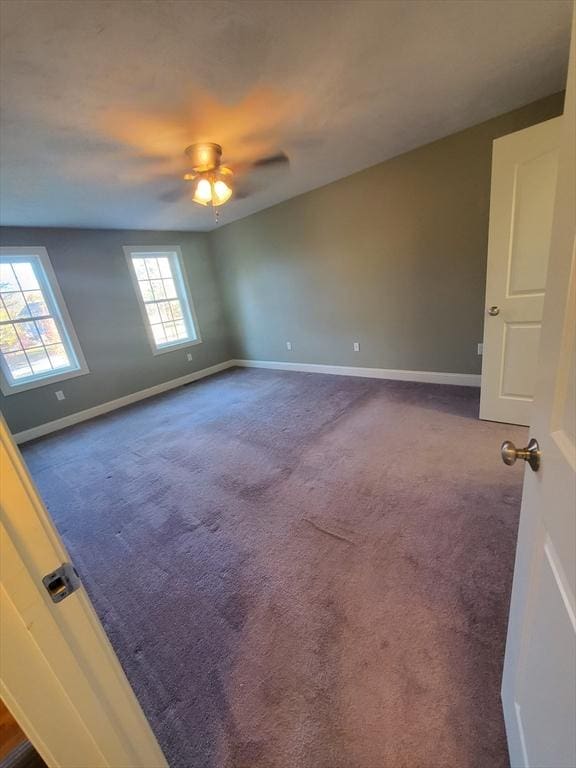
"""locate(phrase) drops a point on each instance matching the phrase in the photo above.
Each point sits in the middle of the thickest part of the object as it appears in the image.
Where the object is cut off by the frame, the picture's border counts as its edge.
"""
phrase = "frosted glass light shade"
(203, 192)
(221, 192)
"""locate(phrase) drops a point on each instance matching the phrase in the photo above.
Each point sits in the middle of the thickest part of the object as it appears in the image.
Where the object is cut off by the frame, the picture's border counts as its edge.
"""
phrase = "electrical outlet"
(289, 346)
(189, 356)
(60, 395)
(356, 346)
(480, 349)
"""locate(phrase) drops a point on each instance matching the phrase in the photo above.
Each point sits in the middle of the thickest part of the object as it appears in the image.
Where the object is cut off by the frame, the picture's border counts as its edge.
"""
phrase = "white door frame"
(59, 675)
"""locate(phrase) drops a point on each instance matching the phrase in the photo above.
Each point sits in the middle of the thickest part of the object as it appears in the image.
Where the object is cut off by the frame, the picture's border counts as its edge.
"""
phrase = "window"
(164, 297)
(37, 342)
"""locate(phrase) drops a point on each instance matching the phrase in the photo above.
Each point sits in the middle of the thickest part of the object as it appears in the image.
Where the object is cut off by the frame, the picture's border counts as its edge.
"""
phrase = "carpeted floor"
(297, 570)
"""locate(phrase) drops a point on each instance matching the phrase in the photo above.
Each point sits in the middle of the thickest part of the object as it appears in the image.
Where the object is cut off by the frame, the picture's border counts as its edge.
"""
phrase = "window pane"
(176, 308)
(29, 336)
(17, 363)
(169, 289)
(181, 330)
(153, 313)
(48, 331)
(164, 307)
(58, 356)
(9, 341)
(170, 330)
(8, 280)
(39, 360)
(153, 268)
(16, 305)
(158, 288)
(26, 277)
(146, 290)
(3, 311)
(140, 269)
(36, 303)
(164, 266)
(159, 335)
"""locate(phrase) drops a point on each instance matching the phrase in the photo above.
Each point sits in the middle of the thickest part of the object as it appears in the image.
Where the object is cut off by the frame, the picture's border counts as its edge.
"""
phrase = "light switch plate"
(60, 395)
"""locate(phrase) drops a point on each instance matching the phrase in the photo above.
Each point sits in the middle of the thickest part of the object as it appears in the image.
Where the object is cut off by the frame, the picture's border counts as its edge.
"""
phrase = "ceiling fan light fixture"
(203, 192)
(213, 188)
(221, 192)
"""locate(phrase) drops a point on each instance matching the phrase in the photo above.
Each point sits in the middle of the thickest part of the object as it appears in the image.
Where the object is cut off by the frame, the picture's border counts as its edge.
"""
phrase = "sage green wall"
(393, 257)
(93, 275)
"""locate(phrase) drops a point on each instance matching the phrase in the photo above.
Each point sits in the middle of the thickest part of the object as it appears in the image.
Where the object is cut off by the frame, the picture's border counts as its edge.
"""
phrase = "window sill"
(174, 347)
(8, 389)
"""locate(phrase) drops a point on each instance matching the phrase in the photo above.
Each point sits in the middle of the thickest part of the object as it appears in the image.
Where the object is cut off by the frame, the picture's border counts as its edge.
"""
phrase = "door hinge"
(62, 582)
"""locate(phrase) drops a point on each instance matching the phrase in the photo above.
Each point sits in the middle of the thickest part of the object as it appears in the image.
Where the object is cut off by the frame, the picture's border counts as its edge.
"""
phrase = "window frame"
(58, 310)
(174, 254)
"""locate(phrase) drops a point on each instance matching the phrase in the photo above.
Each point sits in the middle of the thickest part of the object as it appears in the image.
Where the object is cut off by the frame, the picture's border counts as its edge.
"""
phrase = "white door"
(58, 673)
(539, 685)
(524, 170)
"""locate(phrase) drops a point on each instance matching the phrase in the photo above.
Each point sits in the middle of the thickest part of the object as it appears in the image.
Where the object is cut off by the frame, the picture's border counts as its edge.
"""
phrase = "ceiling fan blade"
(242, 167)
(280, 158)
(174, 195)
(246, 189)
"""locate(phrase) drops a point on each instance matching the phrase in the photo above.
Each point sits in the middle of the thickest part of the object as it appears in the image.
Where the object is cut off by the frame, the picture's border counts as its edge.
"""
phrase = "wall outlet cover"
(356, 346)
(289, 346)
(189, 356)
(60, 395)
(480, 349)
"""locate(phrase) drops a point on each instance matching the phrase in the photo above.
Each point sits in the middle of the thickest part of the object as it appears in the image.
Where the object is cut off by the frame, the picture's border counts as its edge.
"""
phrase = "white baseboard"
(112, 405)
(428, 377)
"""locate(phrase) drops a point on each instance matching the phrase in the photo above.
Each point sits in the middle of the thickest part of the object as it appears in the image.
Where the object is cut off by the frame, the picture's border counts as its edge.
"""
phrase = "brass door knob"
(493, 311)
(531, 454)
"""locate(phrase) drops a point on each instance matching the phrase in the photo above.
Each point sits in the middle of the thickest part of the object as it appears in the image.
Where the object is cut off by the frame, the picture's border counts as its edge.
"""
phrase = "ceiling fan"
(214, 183)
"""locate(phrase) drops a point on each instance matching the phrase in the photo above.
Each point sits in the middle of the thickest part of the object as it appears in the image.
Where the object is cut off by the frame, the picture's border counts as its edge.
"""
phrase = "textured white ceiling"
(99, 99)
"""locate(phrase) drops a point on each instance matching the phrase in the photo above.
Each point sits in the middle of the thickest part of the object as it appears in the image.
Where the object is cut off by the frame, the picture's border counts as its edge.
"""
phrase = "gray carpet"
(297, 570)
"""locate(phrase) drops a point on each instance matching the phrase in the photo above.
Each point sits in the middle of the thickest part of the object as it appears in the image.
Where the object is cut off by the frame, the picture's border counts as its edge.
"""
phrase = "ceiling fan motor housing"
(205, 156)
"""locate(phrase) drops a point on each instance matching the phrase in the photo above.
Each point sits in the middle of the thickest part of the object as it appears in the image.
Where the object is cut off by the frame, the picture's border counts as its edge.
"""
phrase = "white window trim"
(39, 252)
(132, 251)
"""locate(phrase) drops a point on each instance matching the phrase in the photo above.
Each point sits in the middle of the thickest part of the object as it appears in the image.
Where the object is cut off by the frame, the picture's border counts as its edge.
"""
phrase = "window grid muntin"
(174, 277)
(45, 290)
